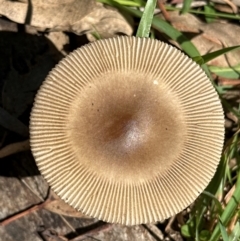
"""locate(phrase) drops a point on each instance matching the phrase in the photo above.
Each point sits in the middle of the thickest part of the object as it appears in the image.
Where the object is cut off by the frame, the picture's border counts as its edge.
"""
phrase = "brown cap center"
(128, 125)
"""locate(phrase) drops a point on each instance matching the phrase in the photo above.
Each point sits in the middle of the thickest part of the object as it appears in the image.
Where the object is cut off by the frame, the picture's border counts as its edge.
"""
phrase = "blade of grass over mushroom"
(206, 69)
(186, 6)
(96, 35)
(226, 72)
(146, 19)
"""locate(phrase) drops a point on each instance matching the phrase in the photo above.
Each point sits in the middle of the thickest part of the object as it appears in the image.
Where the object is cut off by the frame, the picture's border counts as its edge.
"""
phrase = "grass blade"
(161, 25)
(226, 72)
(186, 6)
(146, 19)
(229, 211)
(123, 2)
(208, 9)
(128, 3)
(217, 203)
(223, 230)
(215, 54)
(216, 14)
(234, 236)
(170, 31)
(174, 34)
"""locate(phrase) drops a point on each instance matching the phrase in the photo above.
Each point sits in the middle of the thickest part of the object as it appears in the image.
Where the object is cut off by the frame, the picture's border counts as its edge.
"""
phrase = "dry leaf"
(80, 17)
(111, 23)
(59, 14)
(235, 2)
(6, 25)
(60, 207)
(59, 40)
(223, 8)
(209, 37)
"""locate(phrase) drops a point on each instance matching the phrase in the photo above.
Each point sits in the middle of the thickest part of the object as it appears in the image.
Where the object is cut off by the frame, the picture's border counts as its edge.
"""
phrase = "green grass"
(146, 19)
(209, 14)
(210, 219)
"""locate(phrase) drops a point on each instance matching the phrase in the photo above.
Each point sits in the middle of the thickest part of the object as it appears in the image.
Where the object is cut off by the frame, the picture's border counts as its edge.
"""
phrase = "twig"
(180, 219)
(168, 228)
(154, 231)
(164, 11)
(14, 148)
(102, 228)
(24, 213)
(41, 199)
(68, 224)
(213, 39)
(51, 235)
(232, 223)
(232, 5)
(228, 196)
(226, 81)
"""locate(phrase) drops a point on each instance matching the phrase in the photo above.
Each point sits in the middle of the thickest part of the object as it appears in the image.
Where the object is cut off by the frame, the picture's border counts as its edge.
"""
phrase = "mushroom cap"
(127, 130)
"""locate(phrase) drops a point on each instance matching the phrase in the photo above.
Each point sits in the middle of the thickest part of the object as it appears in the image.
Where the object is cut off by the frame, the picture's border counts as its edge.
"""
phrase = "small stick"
(51, 235)
(14, 148)
(168, 228)
(226, 81)
(154, 231)
(232, 223)
(102, 228)
(213, 39)
(180, 219)
(232, 5)
(163, 9)
(23, 213)
(228, 196)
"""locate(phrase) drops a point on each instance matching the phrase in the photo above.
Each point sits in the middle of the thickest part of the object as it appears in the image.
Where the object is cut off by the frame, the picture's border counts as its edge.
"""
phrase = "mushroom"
(127, 130)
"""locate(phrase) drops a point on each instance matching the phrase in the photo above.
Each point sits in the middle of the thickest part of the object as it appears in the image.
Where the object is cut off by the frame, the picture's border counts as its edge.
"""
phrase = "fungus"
(127, 130)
